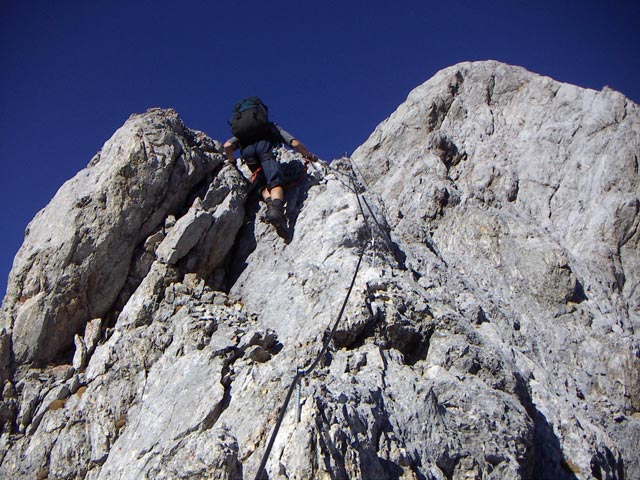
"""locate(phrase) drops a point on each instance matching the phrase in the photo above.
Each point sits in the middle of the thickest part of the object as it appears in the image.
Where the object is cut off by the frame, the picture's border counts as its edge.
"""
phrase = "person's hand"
(312, 158)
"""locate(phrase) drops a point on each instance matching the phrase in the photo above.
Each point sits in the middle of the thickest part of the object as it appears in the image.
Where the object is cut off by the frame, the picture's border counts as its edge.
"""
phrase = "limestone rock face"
(491, 331)
(77, 251)
(526, 191)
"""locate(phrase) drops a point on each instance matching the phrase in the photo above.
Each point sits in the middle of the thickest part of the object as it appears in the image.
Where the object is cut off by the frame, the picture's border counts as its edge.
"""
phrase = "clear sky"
(74, 70)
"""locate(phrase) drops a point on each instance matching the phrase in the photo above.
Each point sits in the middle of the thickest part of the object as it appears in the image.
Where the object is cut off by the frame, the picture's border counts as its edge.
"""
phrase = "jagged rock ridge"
(154, 333)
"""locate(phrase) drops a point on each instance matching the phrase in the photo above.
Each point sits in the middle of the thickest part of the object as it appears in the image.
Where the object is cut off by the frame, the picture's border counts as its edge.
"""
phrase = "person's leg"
(270, 167)
(250, 157)
(277, 193)
(274, 193)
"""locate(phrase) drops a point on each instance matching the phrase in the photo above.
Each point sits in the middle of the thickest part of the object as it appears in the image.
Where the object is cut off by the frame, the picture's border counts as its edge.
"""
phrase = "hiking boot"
(275, 213)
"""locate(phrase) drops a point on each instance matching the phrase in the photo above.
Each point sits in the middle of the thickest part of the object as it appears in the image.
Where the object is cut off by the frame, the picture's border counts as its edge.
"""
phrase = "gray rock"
(184, 235)
(93, 334)
(527, 191)
(80, 355)
(5, 355)
(78, 249)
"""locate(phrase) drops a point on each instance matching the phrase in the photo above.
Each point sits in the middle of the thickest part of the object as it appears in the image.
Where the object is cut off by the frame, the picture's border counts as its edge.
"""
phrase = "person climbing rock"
(257, 138)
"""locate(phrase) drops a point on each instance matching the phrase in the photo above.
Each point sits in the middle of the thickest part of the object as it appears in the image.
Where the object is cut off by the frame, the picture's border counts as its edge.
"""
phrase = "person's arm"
(303, 150)
(230, 146)
(290, 140)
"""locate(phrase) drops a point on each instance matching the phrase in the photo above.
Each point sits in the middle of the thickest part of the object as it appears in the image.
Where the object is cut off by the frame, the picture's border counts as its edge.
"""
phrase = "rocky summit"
(154, 323)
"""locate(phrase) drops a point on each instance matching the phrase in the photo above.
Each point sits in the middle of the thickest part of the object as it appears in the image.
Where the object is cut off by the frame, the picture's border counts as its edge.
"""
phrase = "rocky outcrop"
(528, 190)
(77, 251)
(491, 331)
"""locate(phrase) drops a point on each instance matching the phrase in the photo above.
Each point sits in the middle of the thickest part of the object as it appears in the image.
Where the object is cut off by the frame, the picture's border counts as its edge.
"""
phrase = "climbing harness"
(300, 373)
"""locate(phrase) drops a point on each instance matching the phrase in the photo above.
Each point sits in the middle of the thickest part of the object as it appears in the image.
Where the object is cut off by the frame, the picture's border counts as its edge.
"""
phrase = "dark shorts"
(261, 154)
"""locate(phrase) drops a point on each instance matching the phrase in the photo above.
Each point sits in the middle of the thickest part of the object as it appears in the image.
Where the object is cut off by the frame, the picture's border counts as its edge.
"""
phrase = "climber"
(257, 138)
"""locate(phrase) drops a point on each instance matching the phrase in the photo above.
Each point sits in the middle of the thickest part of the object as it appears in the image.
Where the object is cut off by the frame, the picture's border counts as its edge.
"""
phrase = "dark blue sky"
(330, 71)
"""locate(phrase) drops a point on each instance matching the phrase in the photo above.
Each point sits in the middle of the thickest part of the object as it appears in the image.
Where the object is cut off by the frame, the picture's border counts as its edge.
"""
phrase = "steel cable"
(302, 373)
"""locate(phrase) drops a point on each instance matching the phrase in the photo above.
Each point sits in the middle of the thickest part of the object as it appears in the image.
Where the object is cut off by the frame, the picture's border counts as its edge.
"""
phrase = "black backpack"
(250, 121)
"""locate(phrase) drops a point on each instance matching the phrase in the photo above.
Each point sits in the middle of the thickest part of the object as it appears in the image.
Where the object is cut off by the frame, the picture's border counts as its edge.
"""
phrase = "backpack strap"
(249, 103)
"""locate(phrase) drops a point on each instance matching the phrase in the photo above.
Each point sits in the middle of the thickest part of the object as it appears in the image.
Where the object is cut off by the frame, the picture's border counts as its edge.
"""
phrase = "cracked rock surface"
(491, 331)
